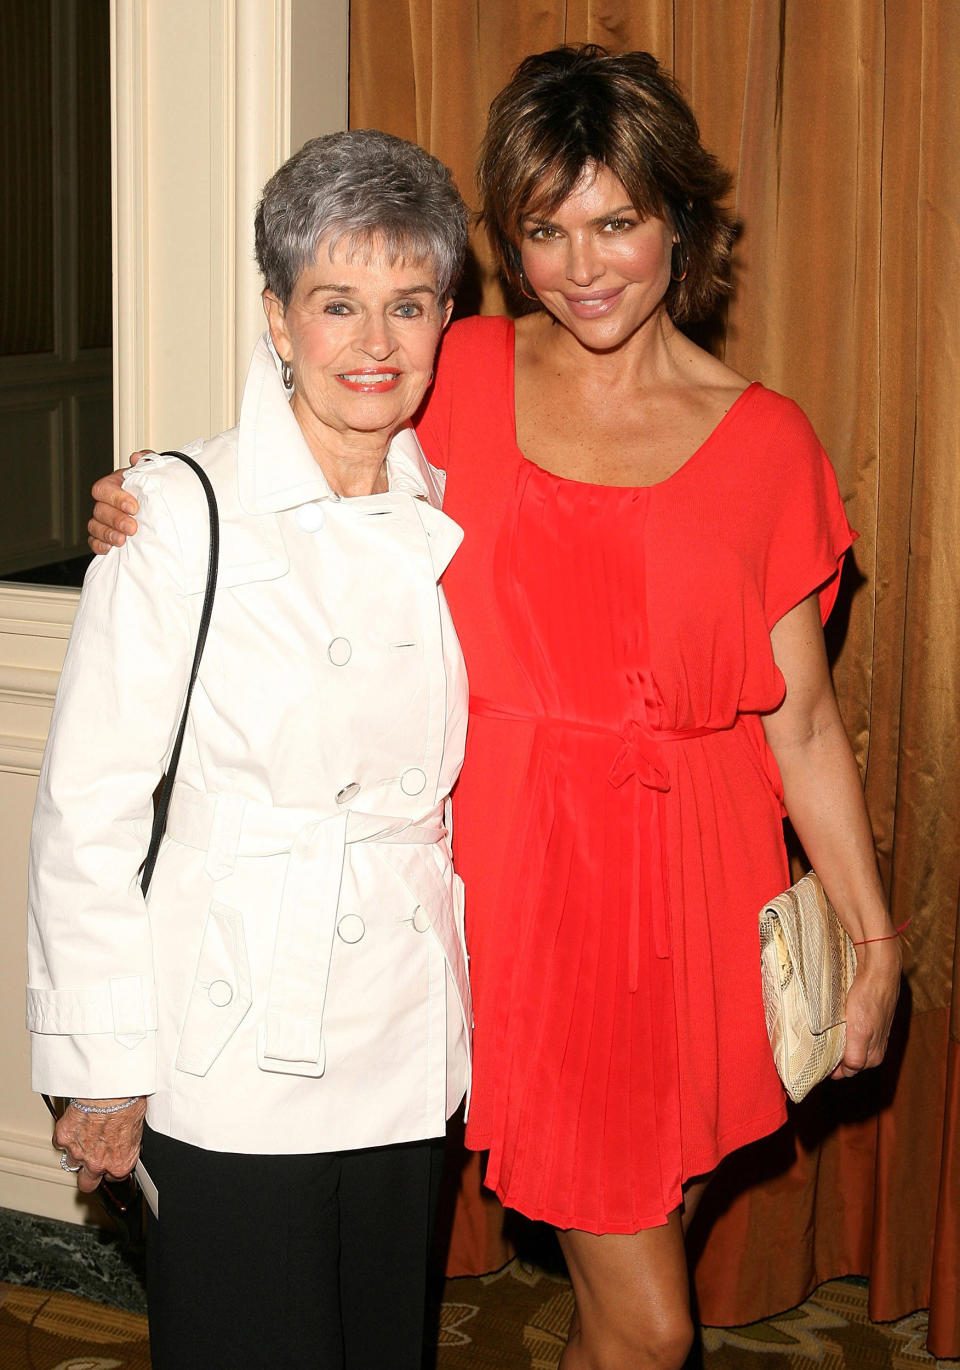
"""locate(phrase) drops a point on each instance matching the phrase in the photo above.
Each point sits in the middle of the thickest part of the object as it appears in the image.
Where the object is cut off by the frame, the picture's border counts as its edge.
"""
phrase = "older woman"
(652, 543)
(289, 1006)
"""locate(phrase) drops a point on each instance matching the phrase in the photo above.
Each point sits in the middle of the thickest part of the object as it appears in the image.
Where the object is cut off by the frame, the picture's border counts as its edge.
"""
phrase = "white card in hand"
(150, 1192)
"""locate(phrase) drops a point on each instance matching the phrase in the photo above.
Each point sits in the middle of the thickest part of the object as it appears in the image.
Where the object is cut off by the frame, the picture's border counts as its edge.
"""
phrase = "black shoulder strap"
(163, 804)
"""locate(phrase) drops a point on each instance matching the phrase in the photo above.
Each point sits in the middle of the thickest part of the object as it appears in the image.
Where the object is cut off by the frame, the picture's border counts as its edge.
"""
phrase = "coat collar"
(276, 469)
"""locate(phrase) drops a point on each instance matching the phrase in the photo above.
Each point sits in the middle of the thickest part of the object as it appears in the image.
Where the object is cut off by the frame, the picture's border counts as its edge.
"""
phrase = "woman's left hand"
(871, 1003)
(103, 1145)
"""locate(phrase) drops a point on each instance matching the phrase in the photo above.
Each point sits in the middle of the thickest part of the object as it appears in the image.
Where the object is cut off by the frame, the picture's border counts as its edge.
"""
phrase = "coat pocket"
(221, 994)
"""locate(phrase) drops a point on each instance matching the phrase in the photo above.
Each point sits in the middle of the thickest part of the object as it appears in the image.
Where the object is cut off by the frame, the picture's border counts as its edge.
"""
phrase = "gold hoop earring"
(675, 252)
(286, 375)
(523, 291)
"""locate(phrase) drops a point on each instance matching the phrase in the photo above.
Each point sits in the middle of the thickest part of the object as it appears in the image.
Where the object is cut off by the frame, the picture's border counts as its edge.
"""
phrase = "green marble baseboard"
(42, 1253)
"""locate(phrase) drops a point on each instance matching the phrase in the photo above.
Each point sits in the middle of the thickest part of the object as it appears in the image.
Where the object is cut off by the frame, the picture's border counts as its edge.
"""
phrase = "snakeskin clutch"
(807, 965)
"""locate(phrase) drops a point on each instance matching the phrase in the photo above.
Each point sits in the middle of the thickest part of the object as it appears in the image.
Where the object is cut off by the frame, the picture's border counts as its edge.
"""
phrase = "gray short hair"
(359, 187)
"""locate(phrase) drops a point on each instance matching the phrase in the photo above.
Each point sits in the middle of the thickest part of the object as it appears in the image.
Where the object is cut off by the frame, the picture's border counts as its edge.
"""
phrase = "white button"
(310, 517)
(351, 927)
(347, 793)
(413, 780)
(220, 993)
(339, 651)
(420, 920)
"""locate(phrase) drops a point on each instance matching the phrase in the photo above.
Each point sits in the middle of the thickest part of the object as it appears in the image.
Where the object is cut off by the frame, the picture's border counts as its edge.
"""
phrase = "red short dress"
(618, 818)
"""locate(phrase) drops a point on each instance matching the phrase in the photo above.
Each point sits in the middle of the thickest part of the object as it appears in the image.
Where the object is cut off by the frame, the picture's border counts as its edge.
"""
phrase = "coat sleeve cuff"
(125, 1007)
(93, 1067)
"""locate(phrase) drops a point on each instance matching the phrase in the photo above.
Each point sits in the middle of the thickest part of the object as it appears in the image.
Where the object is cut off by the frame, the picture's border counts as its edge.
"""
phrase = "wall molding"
(31, 1180)
(129, 152)
(32, 1159)
(203, 103)
(29, 685)
(261, 141)
(34, 628)
(201, 117)
(41, 612)
(20, 755)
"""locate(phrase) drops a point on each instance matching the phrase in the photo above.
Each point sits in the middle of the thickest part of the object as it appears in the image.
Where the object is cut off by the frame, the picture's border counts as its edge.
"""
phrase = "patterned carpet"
(512, 1320)
(518, 1318)
(522, 1309)
(43, 1331)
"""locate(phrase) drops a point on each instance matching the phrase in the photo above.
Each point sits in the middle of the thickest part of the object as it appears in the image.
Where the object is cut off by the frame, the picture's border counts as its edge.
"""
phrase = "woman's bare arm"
(824, 798)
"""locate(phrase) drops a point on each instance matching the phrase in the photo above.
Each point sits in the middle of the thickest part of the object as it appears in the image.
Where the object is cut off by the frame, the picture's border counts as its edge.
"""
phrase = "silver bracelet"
(111, 1108)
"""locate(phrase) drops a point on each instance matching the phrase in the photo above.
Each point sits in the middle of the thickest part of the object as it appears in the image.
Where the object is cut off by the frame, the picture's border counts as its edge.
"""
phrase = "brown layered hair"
(575, 106)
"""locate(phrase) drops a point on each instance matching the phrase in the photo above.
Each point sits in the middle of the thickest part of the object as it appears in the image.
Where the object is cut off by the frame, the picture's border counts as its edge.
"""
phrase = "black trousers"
(289, 1262)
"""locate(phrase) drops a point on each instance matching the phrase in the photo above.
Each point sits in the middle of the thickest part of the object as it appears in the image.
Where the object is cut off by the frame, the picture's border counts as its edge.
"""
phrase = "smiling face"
(600, 269)
(360, 333)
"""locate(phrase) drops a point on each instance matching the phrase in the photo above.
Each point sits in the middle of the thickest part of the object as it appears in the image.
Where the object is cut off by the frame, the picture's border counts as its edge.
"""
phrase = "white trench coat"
(296, 979)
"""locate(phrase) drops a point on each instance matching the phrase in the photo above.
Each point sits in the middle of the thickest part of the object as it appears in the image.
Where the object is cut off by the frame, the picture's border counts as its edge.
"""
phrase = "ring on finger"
(64, 1165)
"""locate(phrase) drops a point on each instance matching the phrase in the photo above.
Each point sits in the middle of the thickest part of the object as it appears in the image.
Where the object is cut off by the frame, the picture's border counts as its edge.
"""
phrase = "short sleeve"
(807, 533)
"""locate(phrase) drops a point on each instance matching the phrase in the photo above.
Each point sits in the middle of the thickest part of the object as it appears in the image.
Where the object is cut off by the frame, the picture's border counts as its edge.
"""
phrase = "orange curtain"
(841, 123)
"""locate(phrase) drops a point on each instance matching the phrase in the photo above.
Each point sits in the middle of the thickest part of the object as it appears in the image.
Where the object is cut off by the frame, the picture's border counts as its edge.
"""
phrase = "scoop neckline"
(600, 485)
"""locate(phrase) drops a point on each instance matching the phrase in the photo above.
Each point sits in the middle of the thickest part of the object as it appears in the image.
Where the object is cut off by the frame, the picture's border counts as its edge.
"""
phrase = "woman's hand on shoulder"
(111, 523)
(871, 1004)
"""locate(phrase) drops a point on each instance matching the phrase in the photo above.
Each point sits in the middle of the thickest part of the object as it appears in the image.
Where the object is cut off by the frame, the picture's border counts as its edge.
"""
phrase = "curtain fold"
(840, 123)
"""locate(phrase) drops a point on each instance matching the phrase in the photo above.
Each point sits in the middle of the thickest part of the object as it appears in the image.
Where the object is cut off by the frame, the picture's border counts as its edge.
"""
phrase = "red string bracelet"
(887, 938)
